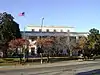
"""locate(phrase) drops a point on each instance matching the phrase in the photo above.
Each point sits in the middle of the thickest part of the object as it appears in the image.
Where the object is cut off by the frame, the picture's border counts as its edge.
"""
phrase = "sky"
(81, 14)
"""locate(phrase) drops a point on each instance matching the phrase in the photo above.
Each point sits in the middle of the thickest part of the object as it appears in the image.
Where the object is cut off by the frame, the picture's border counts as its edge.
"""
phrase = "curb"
(63, 63)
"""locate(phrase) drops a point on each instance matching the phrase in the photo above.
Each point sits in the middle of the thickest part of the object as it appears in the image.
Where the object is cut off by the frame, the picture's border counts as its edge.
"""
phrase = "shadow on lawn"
(93, 72)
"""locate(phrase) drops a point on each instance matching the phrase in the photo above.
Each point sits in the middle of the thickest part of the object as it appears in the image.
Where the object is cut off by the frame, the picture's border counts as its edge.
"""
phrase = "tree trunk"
(4, 53)
(27, 54)
(4, 50)
(70, 52)
(20, 58)
(24, 57)
(41, 58)
(47, 58)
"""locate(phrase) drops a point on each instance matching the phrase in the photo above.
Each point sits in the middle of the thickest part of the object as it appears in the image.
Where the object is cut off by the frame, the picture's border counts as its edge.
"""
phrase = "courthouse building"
(33, 32)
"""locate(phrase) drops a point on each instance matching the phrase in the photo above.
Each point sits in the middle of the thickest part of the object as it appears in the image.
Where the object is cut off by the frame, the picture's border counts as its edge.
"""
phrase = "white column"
(35, 50)
(29, 50)
(77, 38)
(30, 47)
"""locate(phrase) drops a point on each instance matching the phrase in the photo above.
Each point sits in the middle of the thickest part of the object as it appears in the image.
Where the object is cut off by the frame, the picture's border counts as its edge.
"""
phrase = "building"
(34, 32)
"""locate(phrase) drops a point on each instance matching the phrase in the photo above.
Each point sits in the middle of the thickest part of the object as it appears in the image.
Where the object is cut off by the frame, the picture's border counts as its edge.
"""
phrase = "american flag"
(22, 14)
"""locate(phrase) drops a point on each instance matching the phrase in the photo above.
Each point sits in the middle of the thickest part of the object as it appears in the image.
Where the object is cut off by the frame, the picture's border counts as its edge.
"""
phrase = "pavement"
(72, 67)
(62, 63)
(93, 70)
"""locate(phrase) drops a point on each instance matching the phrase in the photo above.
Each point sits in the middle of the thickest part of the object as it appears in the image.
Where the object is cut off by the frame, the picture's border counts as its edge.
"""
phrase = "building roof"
(51, 26)
(30, 33)
(56, 32)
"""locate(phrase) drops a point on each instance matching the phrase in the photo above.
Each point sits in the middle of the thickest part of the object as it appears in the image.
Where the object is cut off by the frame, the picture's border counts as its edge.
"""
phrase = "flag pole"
(23, 14)
(41, 26)
(41, 38)
(24, 33)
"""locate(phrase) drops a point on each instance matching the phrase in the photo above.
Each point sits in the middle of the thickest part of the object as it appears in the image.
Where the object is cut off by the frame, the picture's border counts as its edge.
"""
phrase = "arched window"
(68, 30)
(40, 30)
(61, 30)
(54, 30)
(47, 30)
(32, 30)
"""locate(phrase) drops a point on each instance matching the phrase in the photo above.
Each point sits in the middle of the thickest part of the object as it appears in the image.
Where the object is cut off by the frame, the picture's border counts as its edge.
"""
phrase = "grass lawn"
(15, 61)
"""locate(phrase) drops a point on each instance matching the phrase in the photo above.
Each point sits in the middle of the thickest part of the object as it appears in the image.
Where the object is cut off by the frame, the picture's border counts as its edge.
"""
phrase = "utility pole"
(24, 33)
(68, 40)
(24, 54)
(41, 38)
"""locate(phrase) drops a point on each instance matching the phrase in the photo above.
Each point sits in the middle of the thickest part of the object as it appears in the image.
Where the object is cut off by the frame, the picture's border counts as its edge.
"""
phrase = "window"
(54, 30)
(61, 30)
(32, 39)
(32, 51)
(40, 30)
(32, 30)
(68, 30)
(47, 30)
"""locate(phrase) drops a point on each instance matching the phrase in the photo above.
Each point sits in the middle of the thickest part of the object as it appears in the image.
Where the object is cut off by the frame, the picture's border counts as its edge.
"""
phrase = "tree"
(81, 43)
(92, 45)
(46, 46)
(97, 48)
(21, 45)
(93, 38)
(59, 44)
(9, 30)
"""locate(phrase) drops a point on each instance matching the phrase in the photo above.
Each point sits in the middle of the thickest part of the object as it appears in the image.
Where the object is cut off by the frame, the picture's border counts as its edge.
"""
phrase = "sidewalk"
(62, 63)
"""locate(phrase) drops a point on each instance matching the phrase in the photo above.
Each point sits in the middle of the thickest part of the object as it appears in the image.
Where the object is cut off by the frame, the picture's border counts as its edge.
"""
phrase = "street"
(71, 69)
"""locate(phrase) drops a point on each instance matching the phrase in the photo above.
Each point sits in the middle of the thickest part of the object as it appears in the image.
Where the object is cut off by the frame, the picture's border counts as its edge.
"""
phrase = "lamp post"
(41, 26)
(24, 54)
(42, 22)
(68, 40)
(40, 39)
(24, 51)
(24, 33)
